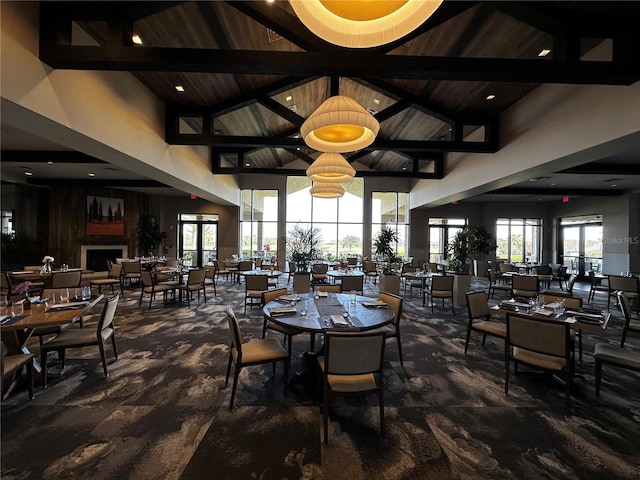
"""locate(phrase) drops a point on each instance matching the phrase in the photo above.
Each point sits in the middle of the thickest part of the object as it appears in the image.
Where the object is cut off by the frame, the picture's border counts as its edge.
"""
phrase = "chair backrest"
(66, 279)
(555, 268)
(492, 275)
(352, 261)
(115, 271)
(328, 288)
(210, 271)
(540, 335)
(6, 283)
(196, 276)
(320, 268)
(625, 308)
(245, 265)
(32, 268)
(353, 353)
(301, 282)
(146, 279)
(430, 266)
(543, 270)
(107, 315)
(257, 282)
(506, 267)
(131, 267)
(592, 278)
(442, 283)
(395, 303)
(569, 302)
(352, 282)
(259, 262)
(477, 304)
(524, 282)
(625, 284)
(370, 267)
(563, 271)
(571, 282)
(273, 294)
(234, 330)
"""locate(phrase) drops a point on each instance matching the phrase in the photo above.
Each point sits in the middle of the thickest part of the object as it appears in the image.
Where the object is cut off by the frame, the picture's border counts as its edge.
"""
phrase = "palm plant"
(384, 246)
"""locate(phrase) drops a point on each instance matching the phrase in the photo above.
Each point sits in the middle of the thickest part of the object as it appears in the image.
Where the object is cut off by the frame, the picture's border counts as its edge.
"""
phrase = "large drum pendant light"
(363, 23)
(339, 125)
(331, 168)
(326, 190)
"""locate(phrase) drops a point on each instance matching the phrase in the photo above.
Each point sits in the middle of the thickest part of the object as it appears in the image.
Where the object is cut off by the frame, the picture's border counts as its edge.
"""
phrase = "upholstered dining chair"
(328, 288)
(371, 270)
(597, 285)
(84, 337)
(10, 365)
(254, 286)
(494, 285)
(113, 278)
(319, 273)
(352, 365)
(210, 277)
(195, 283)
(352, 282)
(480, 319)
(149, 286)
(131, 272)
(628, 285)
(269, 296)
(301, 282)
(614, 356)
(254, 352)
(392, 330)
(524, 286)
(542, 344)
(441, 287)
(243, 266)
(70, 279)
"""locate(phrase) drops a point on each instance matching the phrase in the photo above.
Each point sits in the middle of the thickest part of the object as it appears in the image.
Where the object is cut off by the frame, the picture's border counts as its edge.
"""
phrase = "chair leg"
(598, 376)
(325, 415)
(115, 345)
(236, 374)
(466, 343)
(103, 357)
(399, 348)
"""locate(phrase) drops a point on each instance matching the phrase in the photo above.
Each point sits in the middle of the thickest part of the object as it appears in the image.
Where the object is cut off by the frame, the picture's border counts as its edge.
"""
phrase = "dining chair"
(597, 285)
(11, 365)
(195, 283)
(352, 365)
(540, 343)
(371, 270)
(113, 278)
(524, 286)
(494, 285)
(131, 271)
(254, 352)
(441, 287)
(392, 330)
(628, 285)
(630, 325)
(243, 266)
(328, 288)
(352, 282)
(149, 286)
(7, 285)
(480, 319)
(267, 324)
(560, 276)
(210, 277)
(70, 279)
(301, 282)
(84, 337)
(319, 273)
(254, 286)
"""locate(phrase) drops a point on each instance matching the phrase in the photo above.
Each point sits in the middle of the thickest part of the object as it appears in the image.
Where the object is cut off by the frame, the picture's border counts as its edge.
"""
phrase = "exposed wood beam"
(281, 110)
(349, 64)
(295, 172)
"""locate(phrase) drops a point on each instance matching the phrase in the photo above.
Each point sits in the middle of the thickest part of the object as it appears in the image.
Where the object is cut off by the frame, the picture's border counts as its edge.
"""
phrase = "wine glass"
(64, 295)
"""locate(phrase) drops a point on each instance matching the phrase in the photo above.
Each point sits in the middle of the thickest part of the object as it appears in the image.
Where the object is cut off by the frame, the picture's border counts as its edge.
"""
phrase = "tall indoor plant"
(149, 234)
(302, 246)
(384, 247)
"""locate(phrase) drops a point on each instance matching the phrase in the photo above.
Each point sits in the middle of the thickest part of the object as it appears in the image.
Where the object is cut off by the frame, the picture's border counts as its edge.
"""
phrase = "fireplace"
(94, 257)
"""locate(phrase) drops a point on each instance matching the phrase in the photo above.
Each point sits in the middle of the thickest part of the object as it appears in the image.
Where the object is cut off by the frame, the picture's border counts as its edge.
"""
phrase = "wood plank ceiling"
(251, 73)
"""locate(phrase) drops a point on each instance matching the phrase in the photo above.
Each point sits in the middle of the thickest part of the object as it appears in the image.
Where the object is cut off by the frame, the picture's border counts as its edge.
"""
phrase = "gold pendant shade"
(326, 190)
(331, 168)
(363, 23)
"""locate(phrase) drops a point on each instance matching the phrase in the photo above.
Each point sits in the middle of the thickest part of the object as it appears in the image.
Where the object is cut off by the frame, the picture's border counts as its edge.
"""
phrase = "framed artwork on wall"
(105, 216)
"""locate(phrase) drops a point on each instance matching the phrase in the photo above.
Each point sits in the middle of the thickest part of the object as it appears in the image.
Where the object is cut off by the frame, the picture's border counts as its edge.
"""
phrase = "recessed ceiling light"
(376, 101)
(544, 52)
(92, 174)
(613, 185)
(553, 184)
(491, 96)
(288, 98)
(28, 173)
(180, 88)
(247, 164)
(298, 148)
(50, 162)
(136, 39)
(538, 179)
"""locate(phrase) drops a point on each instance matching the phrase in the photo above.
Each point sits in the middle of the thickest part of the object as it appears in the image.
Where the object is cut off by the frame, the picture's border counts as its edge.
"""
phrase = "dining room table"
(334, 275)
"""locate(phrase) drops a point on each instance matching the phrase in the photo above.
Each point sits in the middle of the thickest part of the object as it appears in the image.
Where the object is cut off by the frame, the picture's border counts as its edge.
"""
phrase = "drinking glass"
(64, 295)
(17, 308)
(303, 308)
(353, 297)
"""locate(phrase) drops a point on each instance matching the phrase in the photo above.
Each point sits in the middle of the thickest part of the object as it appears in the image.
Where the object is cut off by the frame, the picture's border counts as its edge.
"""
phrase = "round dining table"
(338, 274)
(322, 313)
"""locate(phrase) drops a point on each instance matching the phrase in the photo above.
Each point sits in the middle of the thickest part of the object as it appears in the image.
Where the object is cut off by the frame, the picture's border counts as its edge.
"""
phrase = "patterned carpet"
(163, 412)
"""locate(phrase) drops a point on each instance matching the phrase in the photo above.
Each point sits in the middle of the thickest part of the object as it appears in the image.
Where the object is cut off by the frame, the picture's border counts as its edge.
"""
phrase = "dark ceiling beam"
(348, 64)
(99, 11)
(612, 169)
(46, 156)
(65, 182)
(224, 142)
(296, 172)
(531, 15)
(537, 192)
(281, 110)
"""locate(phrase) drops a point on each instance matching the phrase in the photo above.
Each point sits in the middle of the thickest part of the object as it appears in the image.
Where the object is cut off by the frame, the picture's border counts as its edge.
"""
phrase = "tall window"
(8, 221)
(338, 219)
(519, 239)
(198, 241)
(390, 209)
(581, 243)
(259, 222)
(441, 232)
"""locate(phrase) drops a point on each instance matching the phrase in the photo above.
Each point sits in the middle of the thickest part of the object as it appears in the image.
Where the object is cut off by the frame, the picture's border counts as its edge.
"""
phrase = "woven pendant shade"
(339, 125)
(326, 190)
(331, 168)
(363, 23)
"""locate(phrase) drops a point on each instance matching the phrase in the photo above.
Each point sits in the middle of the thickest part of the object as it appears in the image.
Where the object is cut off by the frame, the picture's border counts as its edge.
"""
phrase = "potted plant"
(384, 248)
(149, 234)
(480, 245)
(458, 256)
(302, 246)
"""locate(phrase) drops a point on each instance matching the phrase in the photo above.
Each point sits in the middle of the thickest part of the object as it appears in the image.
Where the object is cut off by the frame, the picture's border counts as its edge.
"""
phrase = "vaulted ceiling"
(251, 73)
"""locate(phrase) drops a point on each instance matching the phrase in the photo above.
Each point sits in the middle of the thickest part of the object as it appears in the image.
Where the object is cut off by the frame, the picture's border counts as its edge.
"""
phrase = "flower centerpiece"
(266, 247)
(22, 289)
(47, 260)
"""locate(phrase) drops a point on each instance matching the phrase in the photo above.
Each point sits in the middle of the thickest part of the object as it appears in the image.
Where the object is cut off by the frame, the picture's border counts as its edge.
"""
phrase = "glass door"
(198, 241)
(581, 244)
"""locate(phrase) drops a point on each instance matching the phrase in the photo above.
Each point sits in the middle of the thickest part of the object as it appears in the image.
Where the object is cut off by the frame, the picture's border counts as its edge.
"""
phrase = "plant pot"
(461, 285)
(480, 268)
(390, 283)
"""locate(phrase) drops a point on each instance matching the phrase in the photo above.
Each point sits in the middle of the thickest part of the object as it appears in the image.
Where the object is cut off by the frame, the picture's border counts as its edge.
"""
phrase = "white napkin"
(282, 310)
(339, 321)
(375, 303)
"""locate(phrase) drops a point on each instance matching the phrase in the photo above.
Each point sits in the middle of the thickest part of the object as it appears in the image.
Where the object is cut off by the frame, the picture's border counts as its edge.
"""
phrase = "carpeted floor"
(163, 412)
